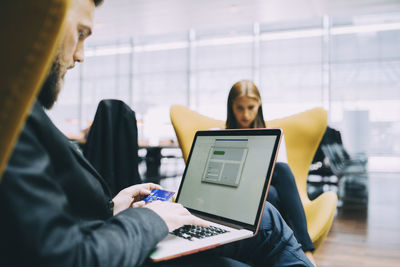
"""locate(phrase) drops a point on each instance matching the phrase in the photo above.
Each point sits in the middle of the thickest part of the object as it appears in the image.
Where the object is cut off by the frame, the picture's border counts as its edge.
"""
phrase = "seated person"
(57, 209)
(244, 110)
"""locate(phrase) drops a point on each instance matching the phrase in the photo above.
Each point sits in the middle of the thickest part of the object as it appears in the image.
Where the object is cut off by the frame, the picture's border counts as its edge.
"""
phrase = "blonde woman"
(244, 111)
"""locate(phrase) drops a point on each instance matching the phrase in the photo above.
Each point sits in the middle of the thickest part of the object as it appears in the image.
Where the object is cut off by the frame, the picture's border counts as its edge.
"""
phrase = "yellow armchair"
(31, 28)
(303, 133)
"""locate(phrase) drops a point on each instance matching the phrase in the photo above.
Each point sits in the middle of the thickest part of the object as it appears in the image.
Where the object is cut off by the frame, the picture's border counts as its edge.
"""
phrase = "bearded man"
(57, 210)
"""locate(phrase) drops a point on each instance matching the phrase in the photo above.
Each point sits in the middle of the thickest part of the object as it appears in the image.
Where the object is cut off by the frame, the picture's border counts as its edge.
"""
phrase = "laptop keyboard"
(193, 231)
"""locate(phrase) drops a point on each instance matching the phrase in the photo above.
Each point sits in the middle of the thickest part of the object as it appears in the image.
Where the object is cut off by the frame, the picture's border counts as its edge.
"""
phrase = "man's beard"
(52, 85)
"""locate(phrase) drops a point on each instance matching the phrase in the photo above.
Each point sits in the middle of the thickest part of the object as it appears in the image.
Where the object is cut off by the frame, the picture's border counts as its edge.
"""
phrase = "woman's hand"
(132, 196)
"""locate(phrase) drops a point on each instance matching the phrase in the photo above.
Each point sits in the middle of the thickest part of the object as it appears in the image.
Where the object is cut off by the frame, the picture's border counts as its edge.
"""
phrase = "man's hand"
(132, 196)
(175, 215)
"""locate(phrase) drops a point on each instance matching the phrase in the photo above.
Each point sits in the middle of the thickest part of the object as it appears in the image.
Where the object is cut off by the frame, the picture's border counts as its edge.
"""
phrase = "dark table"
(153, 161)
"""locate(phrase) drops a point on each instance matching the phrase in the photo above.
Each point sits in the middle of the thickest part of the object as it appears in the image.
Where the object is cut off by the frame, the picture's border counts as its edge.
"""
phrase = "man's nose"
(79, 55)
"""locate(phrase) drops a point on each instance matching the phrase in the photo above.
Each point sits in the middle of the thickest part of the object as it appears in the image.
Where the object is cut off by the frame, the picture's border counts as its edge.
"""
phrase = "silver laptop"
(225, 182)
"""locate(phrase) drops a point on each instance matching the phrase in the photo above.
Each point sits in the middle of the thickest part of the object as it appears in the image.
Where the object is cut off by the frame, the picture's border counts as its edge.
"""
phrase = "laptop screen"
(226, 173)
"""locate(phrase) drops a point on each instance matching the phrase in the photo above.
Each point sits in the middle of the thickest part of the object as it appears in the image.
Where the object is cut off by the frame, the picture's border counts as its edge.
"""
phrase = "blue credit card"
(158, 194)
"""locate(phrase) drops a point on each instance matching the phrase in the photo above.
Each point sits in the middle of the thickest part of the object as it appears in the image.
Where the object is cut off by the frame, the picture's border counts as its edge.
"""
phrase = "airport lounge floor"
(367, 237)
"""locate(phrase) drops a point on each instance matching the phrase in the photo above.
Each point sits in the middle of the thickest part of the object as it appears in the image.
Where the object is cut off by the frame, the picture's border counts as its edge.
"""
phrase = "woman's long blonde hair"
(249, 89)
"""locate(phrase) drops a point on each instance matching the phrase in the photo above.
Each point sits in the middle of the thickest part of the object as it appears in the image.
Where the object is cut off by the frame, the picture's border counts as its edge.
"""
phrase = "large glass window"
(348, 65)
(365, 77)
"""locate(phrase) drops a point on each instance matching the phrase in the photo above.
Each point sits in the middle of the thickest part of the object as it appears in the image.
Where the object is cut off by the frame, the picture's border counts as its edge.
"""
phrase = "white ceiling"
(121, 19)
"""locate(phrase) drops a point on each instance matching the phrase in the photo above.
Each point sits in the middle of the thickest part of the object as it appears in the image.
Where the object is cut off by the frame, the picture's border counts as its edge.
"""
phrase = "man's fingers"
(134, 190)
(144, 192)
(190, 218)
(180, 209)
(151, 186)
(138, 204)
(175, 215)
(197, 221)
(137, 194)
(155, 186)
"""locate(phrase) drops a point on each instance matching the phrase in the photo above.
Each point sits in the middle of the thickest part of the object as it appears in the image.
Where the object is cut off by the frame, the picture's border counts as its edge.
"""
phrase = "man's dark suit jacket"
(55, 208)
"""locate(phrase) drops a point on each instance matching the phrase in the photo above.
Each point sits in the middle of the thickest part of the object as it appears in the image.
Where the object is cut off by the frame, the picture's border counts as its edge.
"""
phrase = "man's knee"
(271, 217)
(273, 196)
(273, 220)
(271, 211)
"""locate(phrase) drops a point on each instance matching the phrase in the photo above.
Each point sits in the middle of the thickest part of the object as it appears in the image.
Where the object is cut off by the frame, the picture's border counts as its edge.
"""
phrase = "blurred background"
(342, 55)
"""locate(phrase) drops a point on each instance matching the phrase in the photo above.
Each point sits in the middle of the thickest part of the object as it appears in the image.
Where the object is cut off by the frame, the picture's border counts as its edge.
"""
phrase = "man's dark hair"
(97, 2)
(51, 86)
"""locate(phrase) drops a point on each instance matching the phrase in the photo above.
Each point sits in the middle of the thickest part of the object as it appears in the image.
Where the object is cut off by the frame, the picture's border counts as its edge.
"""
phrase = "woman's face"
(245, 110)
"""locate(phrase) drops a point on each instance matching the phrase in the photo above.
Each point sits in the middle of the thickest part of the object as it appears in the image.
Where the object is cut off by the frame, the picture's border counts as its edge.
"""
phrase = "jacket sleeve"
(48, 232)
